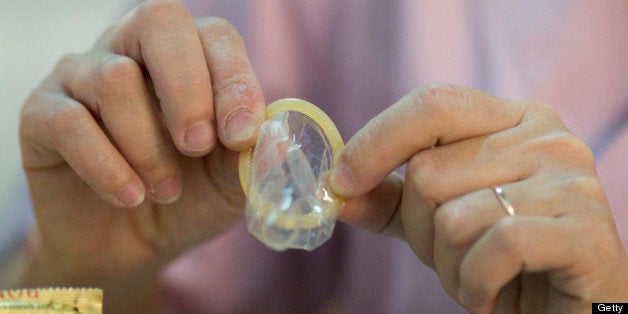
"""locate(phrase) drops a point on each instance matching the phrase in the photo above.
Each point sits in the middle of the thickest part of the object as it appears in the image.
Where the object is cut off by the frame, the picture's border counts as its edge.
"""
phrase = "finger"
(429, 116)
(440, 235)
(513, 246)
(161, 36)
(378, 210)
(222, 171)
(114, 88)
(532, 148)
(417, 215)
(460, 222)
(69, 129)
(239, 103)
(442, 173)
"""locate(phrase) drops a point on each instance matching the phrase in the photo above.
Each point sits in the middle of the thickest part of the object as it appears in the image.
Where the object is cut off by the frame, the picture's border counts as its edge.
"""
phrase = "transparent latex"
(288, 203)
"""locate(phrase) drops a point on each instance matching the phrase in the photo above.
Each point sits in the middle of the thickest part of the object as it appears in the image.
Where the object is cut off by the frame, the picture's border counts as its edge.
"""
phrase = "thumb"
(378, 209)
(433, 115)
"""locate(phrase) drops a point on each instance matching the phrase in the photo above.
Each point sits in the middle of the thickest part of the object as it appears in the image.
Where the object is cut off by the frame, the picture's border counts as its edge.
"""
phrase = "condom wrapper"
(289, 204)
(51, 300)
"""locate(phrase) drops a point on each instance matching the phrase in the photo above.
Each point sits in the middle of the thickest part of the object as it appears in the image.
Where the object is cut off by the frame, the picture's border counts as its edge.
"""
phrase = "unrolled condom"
(289, 204)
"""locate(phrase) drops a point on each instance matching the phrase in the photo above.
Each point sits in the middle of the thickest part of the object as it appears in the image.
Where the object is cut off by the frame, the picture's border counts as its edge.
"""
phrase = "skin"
(559, 253)
(130, 150)
(120, 181)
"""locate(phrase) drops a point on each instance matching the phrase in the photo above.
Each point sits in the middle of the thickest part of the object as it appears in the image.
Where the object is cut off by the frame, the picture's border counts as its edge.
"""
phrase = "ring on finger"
(503, 201)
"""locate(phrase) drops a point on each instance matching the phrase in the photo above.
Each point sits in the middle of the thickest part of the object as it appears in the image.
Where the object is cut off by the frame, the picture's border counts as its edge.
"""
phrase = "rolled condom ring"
(289, 204)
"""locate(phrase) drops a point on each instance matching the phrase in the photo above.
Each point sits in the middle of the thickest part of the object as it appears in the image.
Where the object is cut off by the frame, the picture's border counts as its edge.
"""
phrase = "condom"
(289, 204)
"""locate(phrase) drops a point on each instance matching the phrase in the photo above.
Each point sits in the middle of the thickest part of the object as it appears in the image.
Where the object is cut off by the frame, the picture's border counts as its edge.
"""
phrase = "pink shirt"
(354, 58)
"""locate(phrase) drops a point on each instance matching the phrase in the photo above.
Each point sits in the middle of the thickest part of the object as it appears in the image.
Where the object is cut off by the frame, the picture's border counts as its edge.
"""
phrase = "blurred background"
(33, 36)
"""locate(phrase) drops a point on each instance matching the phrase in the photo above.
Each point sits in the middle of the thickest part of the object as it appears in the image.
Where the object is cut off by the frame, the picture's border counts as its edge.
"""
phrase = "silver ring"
(503, 201)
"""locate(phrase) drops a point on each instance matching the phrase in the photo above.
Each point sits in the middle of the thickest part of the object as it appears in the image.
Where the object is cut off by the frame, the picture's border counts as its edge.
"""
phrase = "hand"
(130, 149)
(560, 251)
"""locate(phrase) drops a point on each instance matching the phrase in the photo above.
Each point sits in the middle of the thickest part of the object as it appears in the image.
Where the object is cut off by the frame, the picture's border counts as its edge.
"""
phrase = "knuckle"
(423, 173)
(115, 71)
(578, 150)
(66, 119)
(546, 111)
(585, 186)
(437, 102)
(563, 145)
(152, 10)
(223, 43)
(31, 107)
(217, 32)
(495, 144)
(434, 92)
(66, 62)
(450, 223)
(241, 85)
(69, 119)
(428, 99)
(29, 115)
(216, 26)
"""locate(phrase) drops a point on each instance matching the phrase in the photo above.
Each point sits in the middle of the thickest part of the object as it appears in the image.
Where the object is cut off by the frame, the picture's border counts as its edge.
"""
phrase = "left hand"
(560, 251)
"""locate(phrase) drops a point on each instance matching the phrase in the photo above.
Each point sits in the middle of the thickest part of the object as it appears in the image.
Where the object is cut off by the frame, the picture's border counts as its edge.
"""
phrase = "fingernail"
(199, 136)
(168, 191)
(341, 178)
(131, 195)
(240, 125)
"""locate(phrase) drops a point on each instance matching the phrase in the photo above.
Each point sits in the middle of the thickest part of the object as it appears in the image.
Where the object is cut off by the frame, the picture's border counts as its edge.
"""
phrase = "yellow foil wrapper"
(51, 300)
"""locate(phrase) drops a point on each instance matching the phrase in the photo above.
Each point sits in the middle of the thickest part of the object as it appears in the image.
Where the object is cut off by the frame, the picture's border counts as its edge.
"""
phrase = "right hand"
(130, 149)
